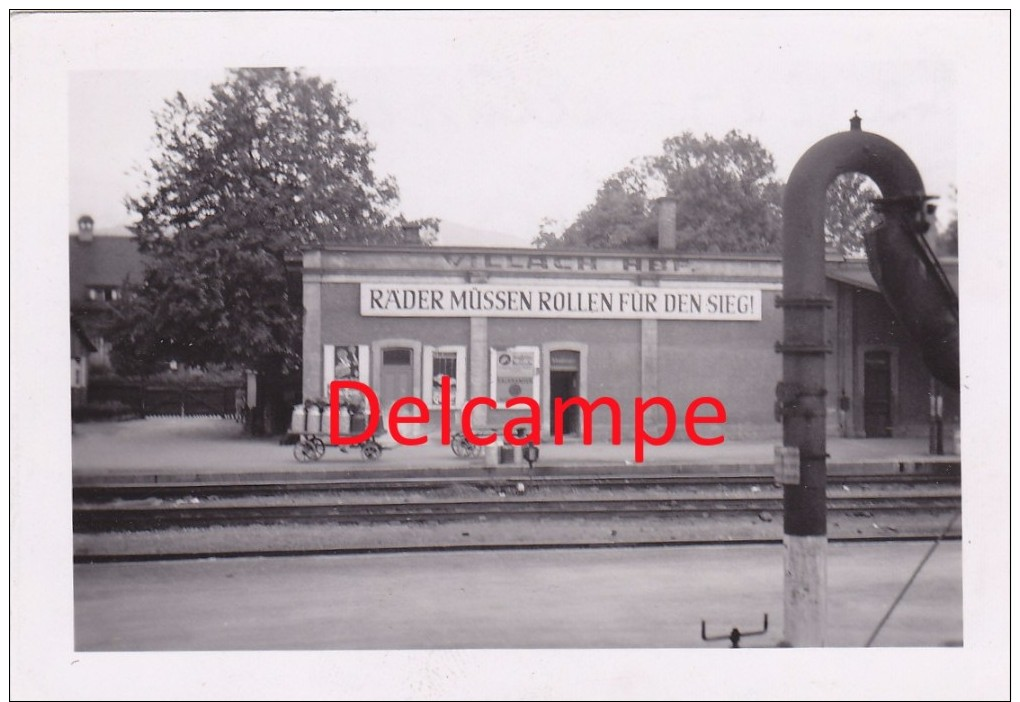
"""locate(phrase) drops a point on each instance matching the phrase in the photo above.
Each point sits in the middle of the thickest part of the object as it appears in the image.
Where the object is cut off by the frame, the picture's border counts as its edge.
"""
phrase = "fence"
(199, 399)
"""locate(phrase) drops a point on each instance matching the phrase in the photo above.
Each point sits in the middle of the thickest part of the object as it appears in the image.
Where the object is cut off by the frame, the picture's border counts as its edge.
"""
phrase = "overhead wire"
(913, 577)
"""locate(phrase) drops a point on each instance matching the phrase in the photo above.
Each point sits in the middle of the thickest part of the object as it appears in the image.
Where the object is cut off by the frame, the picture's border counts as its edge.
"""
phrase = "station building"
(549, 324)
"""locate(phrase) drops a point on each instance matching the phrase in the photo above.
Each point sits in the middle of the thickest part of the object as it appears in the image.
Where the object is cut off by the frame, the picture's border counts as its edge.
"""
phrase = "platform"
(566, 598)
(212, 449)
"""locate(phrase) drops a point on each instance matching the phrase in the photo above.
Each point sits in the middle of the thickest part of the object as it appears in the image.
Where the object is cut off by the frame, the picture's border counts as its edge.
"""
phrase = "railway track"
(134, 491)
(162, 507)
(141, 519)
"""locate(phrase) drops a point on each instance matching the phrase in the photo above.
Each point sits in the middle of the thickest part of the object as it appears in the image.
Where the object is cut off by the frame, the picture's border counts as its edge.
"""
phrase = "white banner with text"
(735, 304)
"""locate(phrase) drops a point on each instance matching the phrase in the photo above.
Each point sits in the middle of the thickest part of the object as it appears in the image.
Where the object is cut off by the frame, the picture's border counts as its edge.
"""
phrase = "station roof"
(855, 272)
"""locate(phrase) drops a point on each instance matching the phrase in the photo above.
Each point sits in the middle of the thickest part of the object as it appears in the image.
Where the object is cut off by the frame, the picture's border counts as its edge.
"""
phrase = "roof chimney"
(855, 122)
(667, 223)
(85, 228)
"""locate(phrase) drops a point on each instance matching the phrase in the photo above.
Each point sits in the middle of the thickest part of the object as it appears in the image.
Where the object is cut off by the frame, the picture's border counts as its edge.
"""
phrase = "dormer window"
(85, 229)
(104, 293)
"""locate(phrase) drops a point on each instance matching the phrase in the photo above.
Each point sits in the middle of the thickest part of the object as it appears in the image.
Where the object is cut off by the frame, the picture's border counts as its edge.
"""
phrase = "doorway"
(396, 376)
(877, 394)
(565, 383)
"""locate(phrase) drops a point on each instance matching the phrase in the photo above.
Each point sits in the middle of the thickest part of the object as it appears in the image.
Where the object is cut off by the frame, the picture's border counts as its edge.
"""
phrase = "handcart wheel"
(461, 446)
(318, 446)
(302, 451)
(306, 449)
(371, 451)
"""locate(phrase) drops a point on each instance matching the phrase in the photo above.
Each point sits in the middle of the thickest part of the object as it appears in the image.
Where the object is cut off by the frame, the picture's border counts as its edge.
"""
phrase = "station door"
(565, 383)
(877, 394)
(396, 377)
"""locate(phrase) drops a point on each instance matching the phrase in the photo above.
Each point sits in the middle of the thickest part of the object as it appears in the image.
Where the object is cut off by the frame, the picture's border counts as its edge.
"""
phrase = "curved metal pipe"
(916, 289)
(804, 344)
(907, 272)
(804, 200)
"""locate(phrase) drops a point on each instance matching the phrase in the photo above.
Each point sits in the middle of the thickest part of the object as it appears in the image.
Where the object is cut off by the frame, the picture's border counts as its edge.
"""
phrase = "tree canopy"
(849, 213)
(728, 199)
(621, 217)
(947, 241)
(271, 161)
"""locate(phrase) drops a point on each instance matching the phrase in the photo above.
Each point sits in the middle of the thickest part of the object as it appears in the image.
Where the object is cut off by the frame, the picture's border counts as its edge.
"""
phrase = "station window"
(396, 357)
(104, 293)
(438, 361)
(444, 363)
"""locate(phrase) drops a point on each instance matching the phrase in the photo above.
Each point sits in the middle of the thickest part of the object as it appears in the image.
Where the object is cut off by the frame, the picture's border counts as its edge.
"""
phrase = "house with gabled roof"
(101, 264)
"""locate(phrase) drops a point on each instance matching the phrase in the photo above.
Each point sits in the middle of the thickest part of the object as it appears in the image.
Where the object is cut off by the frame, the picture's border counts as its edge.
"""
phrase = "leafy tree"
(620, 217)
(272, 161)
(849, 213)
(946, 242)
(728, 196)
(728, 199)
(549, 233)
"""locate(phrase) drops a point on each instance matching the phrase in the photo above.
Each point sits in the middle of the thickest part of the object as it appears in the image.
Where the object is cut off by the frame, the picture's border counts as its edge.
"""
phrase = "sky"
(496, 121)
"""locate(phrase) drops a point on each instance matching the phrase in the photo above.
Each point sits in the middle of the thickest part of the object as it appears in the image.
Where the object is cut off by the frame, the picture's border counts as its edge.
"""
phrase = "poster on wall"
(514, 372)
(344, 362)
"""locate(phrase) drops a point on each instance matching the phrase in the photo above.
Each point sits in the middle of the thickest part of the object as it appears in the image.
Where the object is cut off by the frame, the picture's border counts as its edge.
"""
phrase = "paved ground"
(652, 598)
(645, 598)
(175, 446)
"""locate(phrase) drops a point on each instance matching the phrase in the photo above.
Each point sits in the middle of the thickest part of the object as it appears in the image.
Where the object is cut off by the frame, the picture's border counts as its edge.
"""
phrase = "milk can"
(297, 420)
(312, 418)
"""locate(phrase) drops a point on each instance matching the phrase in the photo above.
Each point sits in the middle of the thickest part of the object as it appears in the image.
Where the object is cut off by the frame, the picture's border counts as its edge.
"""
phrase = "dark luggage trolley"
(310, 443)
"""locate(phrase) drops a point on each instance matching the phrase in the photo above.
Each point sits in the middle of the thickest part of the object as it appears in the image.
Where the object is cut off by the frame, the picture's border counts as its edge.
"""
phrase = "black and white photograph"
(509, 354)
